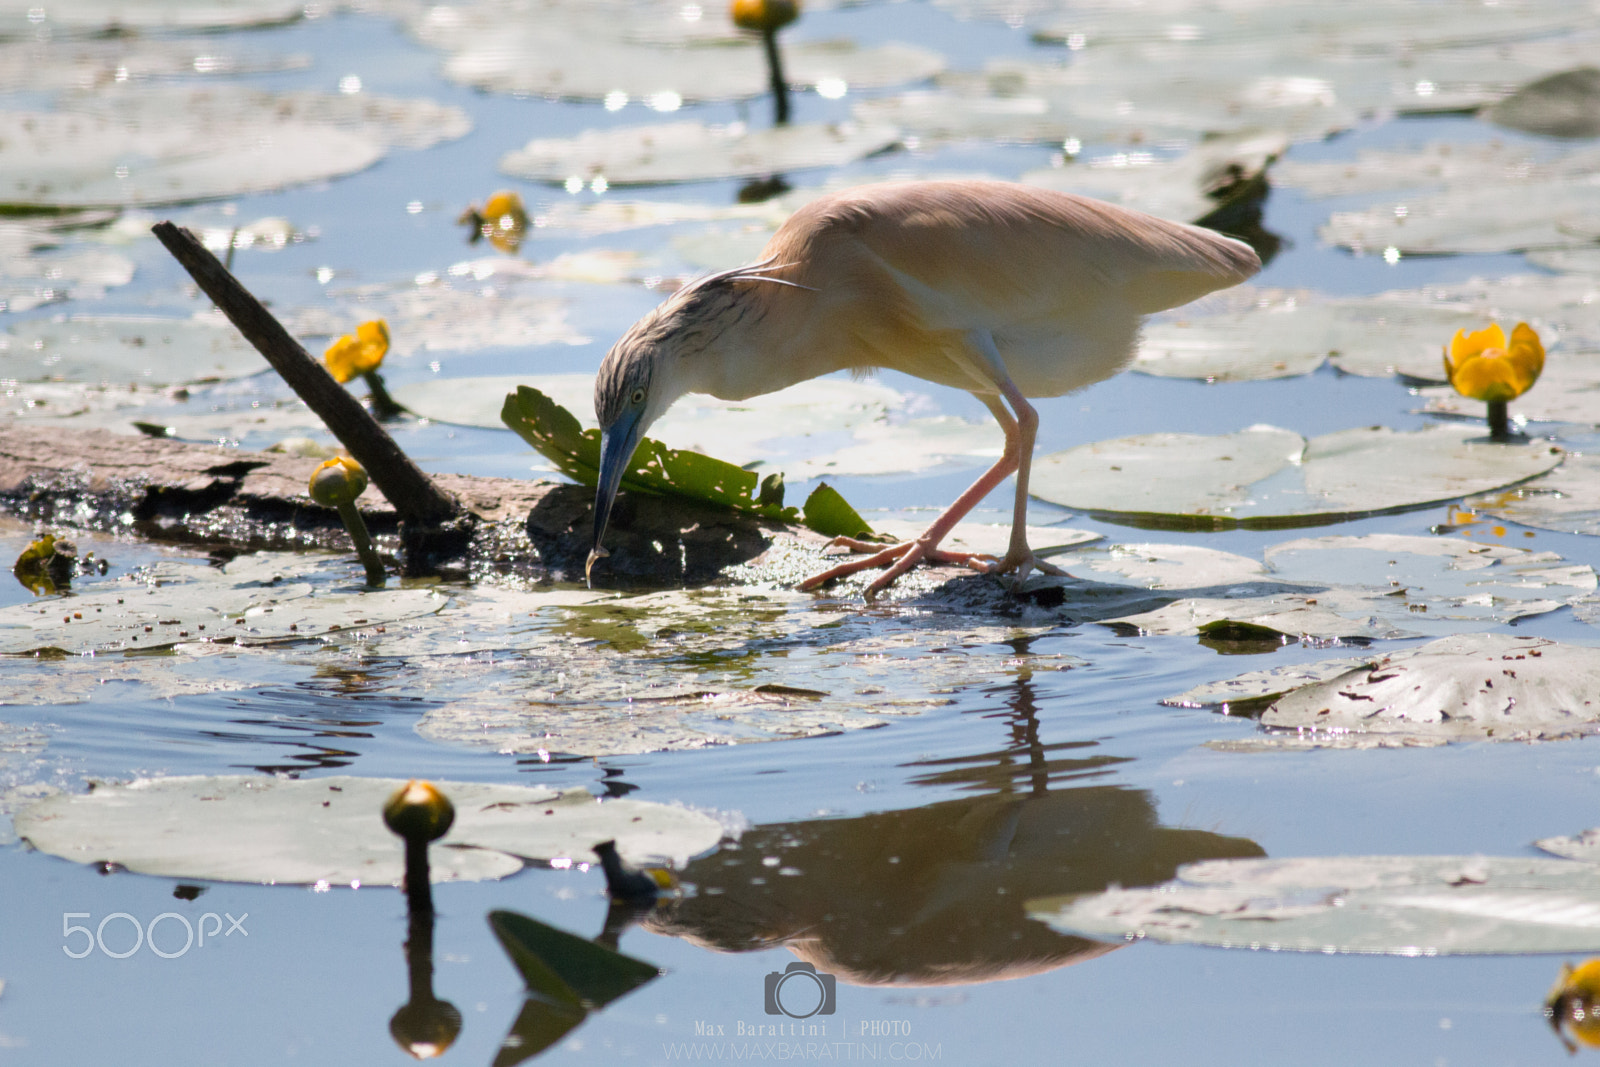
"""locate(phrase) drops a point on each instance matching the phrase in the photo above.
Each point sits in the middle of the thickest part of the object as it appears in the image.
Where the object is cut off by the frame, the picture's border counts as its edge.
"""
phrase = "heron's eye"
(638, 396)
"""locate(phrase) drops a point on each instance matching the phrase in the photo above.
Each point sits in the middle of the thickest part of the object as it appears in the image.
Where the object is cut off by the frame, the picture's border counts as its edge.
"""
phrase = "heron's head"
(655, 363)
(639, 379)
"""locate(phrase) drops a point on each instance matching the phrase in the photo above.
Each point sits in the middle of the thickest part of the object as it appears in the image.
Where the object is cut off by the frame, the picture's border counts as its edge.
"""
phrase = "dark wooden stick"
(414, 496)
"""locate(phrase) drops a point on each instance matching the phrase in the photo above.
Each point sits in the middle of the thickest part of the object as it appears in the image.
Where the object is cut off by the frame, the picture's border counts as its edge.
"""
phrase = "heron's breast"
(1044, 360)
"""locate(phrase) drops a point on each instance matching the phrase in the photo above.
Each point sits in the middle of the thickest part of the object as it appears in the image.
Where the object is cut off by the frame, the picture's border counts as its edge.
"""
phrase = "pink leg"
(1020, 431)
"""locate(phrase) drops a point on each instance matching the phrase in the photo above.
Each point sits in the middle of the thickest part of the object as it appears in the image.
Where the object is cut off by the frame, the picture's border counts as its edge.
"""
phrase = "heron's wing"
(1019, 253)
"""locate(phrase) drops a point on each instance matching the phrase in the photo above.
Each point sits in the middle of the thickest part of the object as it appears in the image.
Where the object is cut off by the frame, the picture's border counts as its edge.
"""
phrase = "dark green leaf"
(564, 967)
(829, 514)
(771, 490)
(540, 1024)
(558, 436)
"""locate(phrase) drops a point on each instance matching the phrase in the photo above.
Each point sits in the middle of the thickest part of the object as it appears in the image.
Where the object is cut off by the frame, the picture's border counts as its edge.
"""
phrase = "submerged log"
(226, 501)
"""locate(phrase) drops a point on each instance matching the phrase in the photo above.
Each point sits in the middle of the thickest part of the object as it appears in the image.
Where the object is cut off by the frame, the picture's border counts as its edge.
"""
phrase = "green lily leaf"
(558, 436)
(829, 513)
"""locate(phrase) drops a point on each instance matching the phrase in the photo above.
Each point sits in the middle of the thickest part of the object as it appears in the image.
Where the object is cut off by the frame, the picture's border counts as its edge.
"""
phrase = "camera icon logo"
(799, 992)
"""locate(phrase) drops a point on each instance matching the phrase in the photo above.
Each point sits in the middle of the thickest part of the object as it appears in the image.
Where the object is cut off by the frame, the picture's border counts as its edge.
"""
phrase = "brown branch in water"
(416, 499)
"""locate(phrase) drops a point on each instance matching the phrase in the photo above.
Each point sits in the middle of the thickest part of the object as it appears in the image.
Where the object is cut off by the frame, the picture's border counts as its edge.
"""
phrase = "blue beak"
(617, 445)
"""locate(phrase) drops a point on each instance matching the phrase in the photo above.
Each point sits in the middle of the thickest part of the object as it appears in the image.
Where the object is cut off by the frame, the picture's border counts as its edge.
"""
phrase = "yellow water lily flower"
(1484, 366)
(503, 219)
(360, 353)
(1572, 1005)
(764, 15)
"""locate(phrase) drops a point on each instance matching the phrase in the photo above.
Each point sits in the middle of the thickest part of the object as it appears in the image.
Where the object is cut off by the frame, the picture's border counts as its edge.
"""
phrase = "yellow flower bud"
(1484, 366)
(764, 15)
(418, 810)
(361, 353)
(338, 481)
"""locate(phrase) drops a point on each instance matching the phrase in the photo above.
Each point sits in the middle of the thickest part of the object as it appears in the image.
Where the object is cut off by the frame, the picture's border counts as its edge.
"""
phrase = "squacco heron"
(1006, 291)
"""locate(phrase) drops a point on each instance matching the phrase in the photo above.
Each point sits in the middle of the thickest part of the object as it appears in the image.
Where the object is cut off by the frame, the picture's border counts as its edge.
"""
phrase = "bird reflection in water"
(936, 895)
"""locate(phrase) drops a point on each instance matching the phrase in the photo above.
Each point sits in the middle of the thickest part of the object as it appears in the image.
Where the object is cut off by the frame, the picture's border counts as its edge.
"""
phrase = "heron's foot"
(1019, 561)
(898, 558)
(855, 544)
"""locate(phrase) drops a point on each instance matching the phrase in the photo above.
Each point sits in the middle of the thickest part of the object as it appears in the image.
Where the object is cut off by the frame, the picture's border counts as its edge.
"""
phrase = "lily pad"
(253, 600)
(1187, 188)
(1267, 478)
(1584, 260)
(144, 350)
(512, 717)
(621, 212)
(989, 538)
(1584, 846)
(177, 145)
(1381, 586)
(1564, 104)
(23, 763)
(1466, 687)
(88, 17)
(75, 680)
(1336, 615)
(693, 151)
(1560, 307)
(540, 61)
(460, 310)
(1121, 99)
(1478, 219)
(1437, 164)
(1154, 566)
(1254, 691)
(41, 263)
(74, 63)
(1150, 72)
(239, 828)
(1388, 905)
(1283, 335)
(1322, 28)
(1154, 473)
(260, 416)
(1566, 500)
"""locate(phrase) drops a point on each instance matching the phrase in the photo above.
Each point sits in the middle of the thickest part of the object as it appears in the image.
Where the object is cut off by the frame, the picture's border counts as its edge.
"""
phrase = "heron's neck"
(766, 343)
